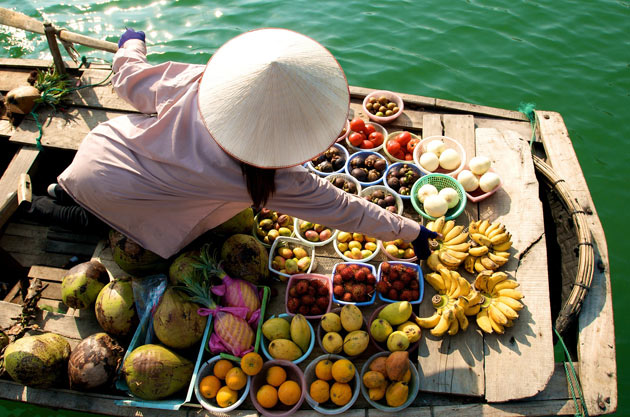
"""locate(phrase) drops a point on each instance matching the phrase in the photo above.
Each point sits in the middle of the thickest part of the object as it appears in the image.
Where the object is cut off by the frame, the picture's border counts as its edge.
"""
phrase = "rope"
(574, 383)
(528, 110)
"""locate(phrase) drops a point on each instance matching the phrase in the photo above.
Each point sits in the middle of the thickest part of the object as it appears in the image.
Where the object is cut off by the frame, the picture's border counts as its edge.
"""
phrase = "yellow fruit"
(289, 392)
(251, 363)
(209, 386)
(226, 397)
(221, 368)
(267, 396)
(340, 393)
(276, 375)
(407, 376)
(343, 370)
(397, 394)
(323, 370)
(320, 391)
(235, 379)
(373, 379)
(378, 393)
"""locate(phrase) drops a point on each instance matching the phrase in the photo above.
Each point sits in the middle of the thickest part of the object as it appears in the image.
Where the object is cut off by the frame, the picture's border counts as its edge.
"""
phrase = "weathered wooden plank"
(102, 96)
(596, 343)
(6, 129)
(513, 408)
(517, 205)
(558, 386)
(31, 64)
(62, 130)
(12, 78)
(523, 128)
(478, 109)
(47, 273)
(409, 99)
(451, 364)
(22, 162)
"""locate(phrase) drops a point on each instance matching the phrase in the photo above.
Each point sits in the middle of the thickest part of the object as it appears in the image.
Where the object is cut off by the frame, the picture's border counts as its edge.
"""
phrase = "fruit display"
(287, 338)
(436, 203)
(382, 198)
(310, 297)
(400, 145)
(355, 246)
(313, 232)
(450, 250)
(365, 135)
(333, 383)
(399, 250)
(223, 384)
(332, 160)
(401, 177)
(500, 301)
(392, 327)
(366, 167)
(398, 281)
(345, 183)
(343, 331)
(455, 299)
(289, 257)
(270, 225)
(381, 106)
(478, 179)
(354, 283)
(489, 246)
(388, 380)
(436, 156)
(278, 388)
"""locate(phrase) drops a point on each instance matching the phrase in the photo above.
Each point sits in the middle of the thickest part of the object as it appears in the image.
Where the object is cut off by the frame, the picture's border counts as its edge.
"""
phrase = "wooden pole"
(54, 48)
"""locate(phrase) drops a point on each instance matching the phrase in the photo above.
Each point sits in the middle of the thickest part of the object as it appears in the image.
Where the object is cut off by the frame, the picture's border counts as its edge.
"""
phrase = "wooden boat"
(467, 374)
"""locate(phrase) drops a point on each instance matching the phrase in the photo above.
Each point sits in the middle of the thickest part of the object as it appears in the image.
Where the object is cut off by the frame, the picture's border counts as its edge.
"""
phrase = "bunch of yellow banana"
(452, 249)
(455, 300)
(489, 247)
(500, 302)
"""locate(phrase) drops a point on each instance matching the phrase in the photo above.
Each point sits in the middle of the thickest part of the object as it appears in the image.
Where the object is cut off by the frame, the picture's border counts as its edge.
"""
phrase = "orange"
(320, 391)
(289, 392)
(340, 393)
(323, 370)
(235, 379)
(251, 363)
(276, 375)
(343, 370)
(221, 368)
(209, 386)
(267, 396)
(226, 397)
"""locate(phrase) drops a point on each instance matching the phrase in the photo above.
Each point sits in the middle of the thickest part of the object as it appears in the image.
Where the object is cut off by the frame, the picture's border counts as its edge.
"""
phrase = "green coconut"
(183, 266)
(133, 258)
(153, 372)
(243, 222)
(176, 322)
(94, 361)
(246, 258)
(81, 285)
(38, 361)
(115, 308)
(4, 340)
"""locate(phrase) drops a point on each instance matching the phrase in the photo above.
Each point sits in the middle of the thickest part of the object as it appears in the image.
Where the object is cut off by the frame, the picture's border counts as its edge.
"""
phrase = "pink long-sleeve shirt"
(159, 177)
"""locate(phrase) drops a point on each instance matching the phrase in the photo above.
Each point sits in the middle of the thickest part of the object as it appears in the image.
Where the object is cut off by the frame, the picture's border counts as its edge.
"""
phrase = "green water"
(569, 56)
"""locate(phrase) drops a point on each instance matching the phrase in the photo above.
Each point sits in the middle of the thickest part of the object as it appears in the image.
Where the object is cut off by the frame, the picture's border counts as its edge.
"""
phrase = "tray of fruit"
(331, 161)
(221, 385)
(389, 381)
(399, 146)
(278, 390)
(355, 247)
(367, 167)
(333, 384)
(343, 331)
(313, 233)
(354, 283)
(270, 225)
(309, 295)
(288, 338)
(400, 281)
(365, 136)
(290, 256)
(439, 154)
(479, 179)
(400, 178)
(398, 250)
(394, 327)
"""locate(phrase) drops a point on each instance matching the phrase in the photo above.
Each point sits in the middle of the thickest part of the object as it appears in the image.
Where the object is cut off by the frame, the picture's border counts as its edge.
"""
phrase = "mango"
(380, 329)
(331, 322)
(377, 394)
(278, 262)
(355, 342)
(276, 328)
(286, 253)
(412, 330)
(300, 332)
(291, 266)
(396, 313)
(304, 263)
(396, 394)
(300, 253)
(266, 224)
(304, 226)
(285, 231)
(397, 365)
(332, 342)
(374, 379)
(392, 250)
(397, 341)
(311, 236)
(344, 237)
(319, 227)
(284, 349)
(325, 234)
(351, 318)
(284, 220)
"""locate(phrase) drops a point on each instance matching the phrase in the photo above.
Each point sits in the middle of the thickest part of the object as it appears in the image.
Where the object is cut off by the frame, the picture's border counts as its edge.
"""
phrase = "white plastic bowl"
(378, 128)
(298, 234)
(399, 202)
(205, 370)
(450, 143)
(347, 177)
(344, 151)
(291, 242)
(345, 258)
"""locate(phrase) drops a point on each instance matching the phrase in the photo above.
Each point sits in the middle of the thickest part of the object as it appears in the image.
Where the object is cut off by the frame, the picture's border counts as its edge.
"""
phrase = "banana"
(436, 281)
(481, 282)
(448, 226)
(460, 238)
(472, 309)
(460, 247)
(473, 227)
(499, 260)
(510, 323)
(510, 302)
(443, 324)
(455, 231)
(460, 307)
(511, 293)
(446, 277)
(300, 332)
(488, 263)
(431, 226)
(455, 290)
(483, 321)
(464, 285)
(481, 239)
(429, 322)
(448, 260)
(493, 229)
(479, 266)
(502, 247)
(498, 328)
(459, 255)
(505, 255)
(494, 279)
(469, 264)
(483, 226)
(433, 261)
(474, 297)
(500, 238)
(507, 284)
(478, 251)
(496, 314)
(454, 327)
(507, 311)
(439, 225)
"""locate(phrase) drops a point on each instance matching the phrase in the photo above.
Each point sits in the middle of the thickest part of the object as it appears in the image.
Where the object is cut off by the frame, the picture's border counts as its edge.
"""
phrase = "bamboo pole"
(21, 21)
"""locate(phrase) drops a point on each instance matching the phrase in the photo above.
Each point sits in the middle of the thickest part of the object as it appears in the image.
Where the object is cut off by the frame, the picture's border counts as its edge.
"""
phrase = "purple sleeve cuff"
(421, 243)
(131, 34)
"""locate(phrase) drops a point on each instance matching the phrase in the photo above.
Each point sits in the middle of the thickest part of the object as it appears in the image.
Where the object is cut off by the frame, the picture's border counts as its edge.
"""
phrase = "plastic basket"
(205, 370)
(343, 150)
(360, 303)
(391, 136)
(298, 234)
(413, 386)
(417, 268)
(301, 358)
(346, 177)
(366, 154)
(399, 202)
(329, 408)
(396, 165)
(378, 128)
(291, 242)
(439, 181)
(295, 278)
(450, 143)
(382, 346)
(391, 97)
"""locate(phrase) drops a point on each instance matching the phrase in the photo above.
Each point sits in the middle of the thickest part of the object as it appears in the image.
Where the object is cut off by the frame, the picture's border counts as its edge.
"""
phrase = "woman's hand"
(421, 243)
(130, 34)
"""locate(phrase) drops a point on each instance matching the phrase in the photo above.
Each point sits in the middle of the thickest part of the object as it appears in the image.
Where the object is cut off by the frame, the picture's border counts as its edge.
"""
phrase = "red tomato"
(393, 147)
(357, 125)
(408, 157)
(403, 138)
(376, 138)
(369, 129)
(412, 144)
(356, 138)
(399, 154)
(367, 144)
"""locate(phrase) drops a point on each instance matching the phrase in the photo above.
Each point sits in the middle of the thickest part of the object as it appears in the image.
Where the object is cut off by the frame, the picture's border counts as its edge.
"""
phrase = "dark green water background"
(569, 56)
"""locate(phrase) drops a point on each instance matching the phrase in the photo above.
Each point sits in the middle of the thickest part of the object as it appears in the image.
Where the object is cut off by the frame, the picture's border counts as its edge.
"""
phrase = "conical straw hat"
(274, 98)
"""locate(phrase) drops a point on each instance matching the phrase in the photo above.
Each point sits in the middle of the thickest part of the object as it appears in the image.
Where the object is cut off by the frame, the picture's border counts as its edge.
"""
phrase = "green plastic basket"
(439, 181)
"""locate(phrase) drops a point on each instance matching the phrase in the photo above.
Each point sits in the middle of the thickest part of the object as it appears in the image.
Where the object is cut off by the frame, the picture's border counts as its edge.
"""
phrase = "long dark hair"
(260, 182)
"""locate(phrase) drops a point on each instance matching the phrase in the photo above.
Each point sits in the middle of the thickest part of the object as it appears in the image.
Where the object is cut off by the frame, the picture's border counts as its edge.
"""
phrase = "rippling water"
(569, 56)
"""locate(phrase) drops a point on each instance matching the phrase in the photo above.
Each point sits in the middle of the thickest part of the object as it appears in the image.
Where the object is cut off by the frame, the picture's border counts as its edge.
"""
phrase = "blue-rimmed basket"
(396, 165)
(366, 154)
(288, 317)
(344, 152)
(416, 268)
(361, 303)
(439, 181)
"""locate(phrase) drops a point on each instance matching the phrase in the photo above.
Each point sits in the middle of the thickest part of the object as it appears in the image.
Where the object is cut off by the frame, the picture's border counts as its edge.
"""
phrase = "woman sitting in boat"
(210, 141)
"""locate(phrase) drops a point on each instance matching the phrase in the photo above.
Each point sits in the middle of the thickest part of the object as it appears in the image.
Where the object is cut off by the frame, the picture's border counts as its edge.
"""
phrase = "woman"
(212, 140)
